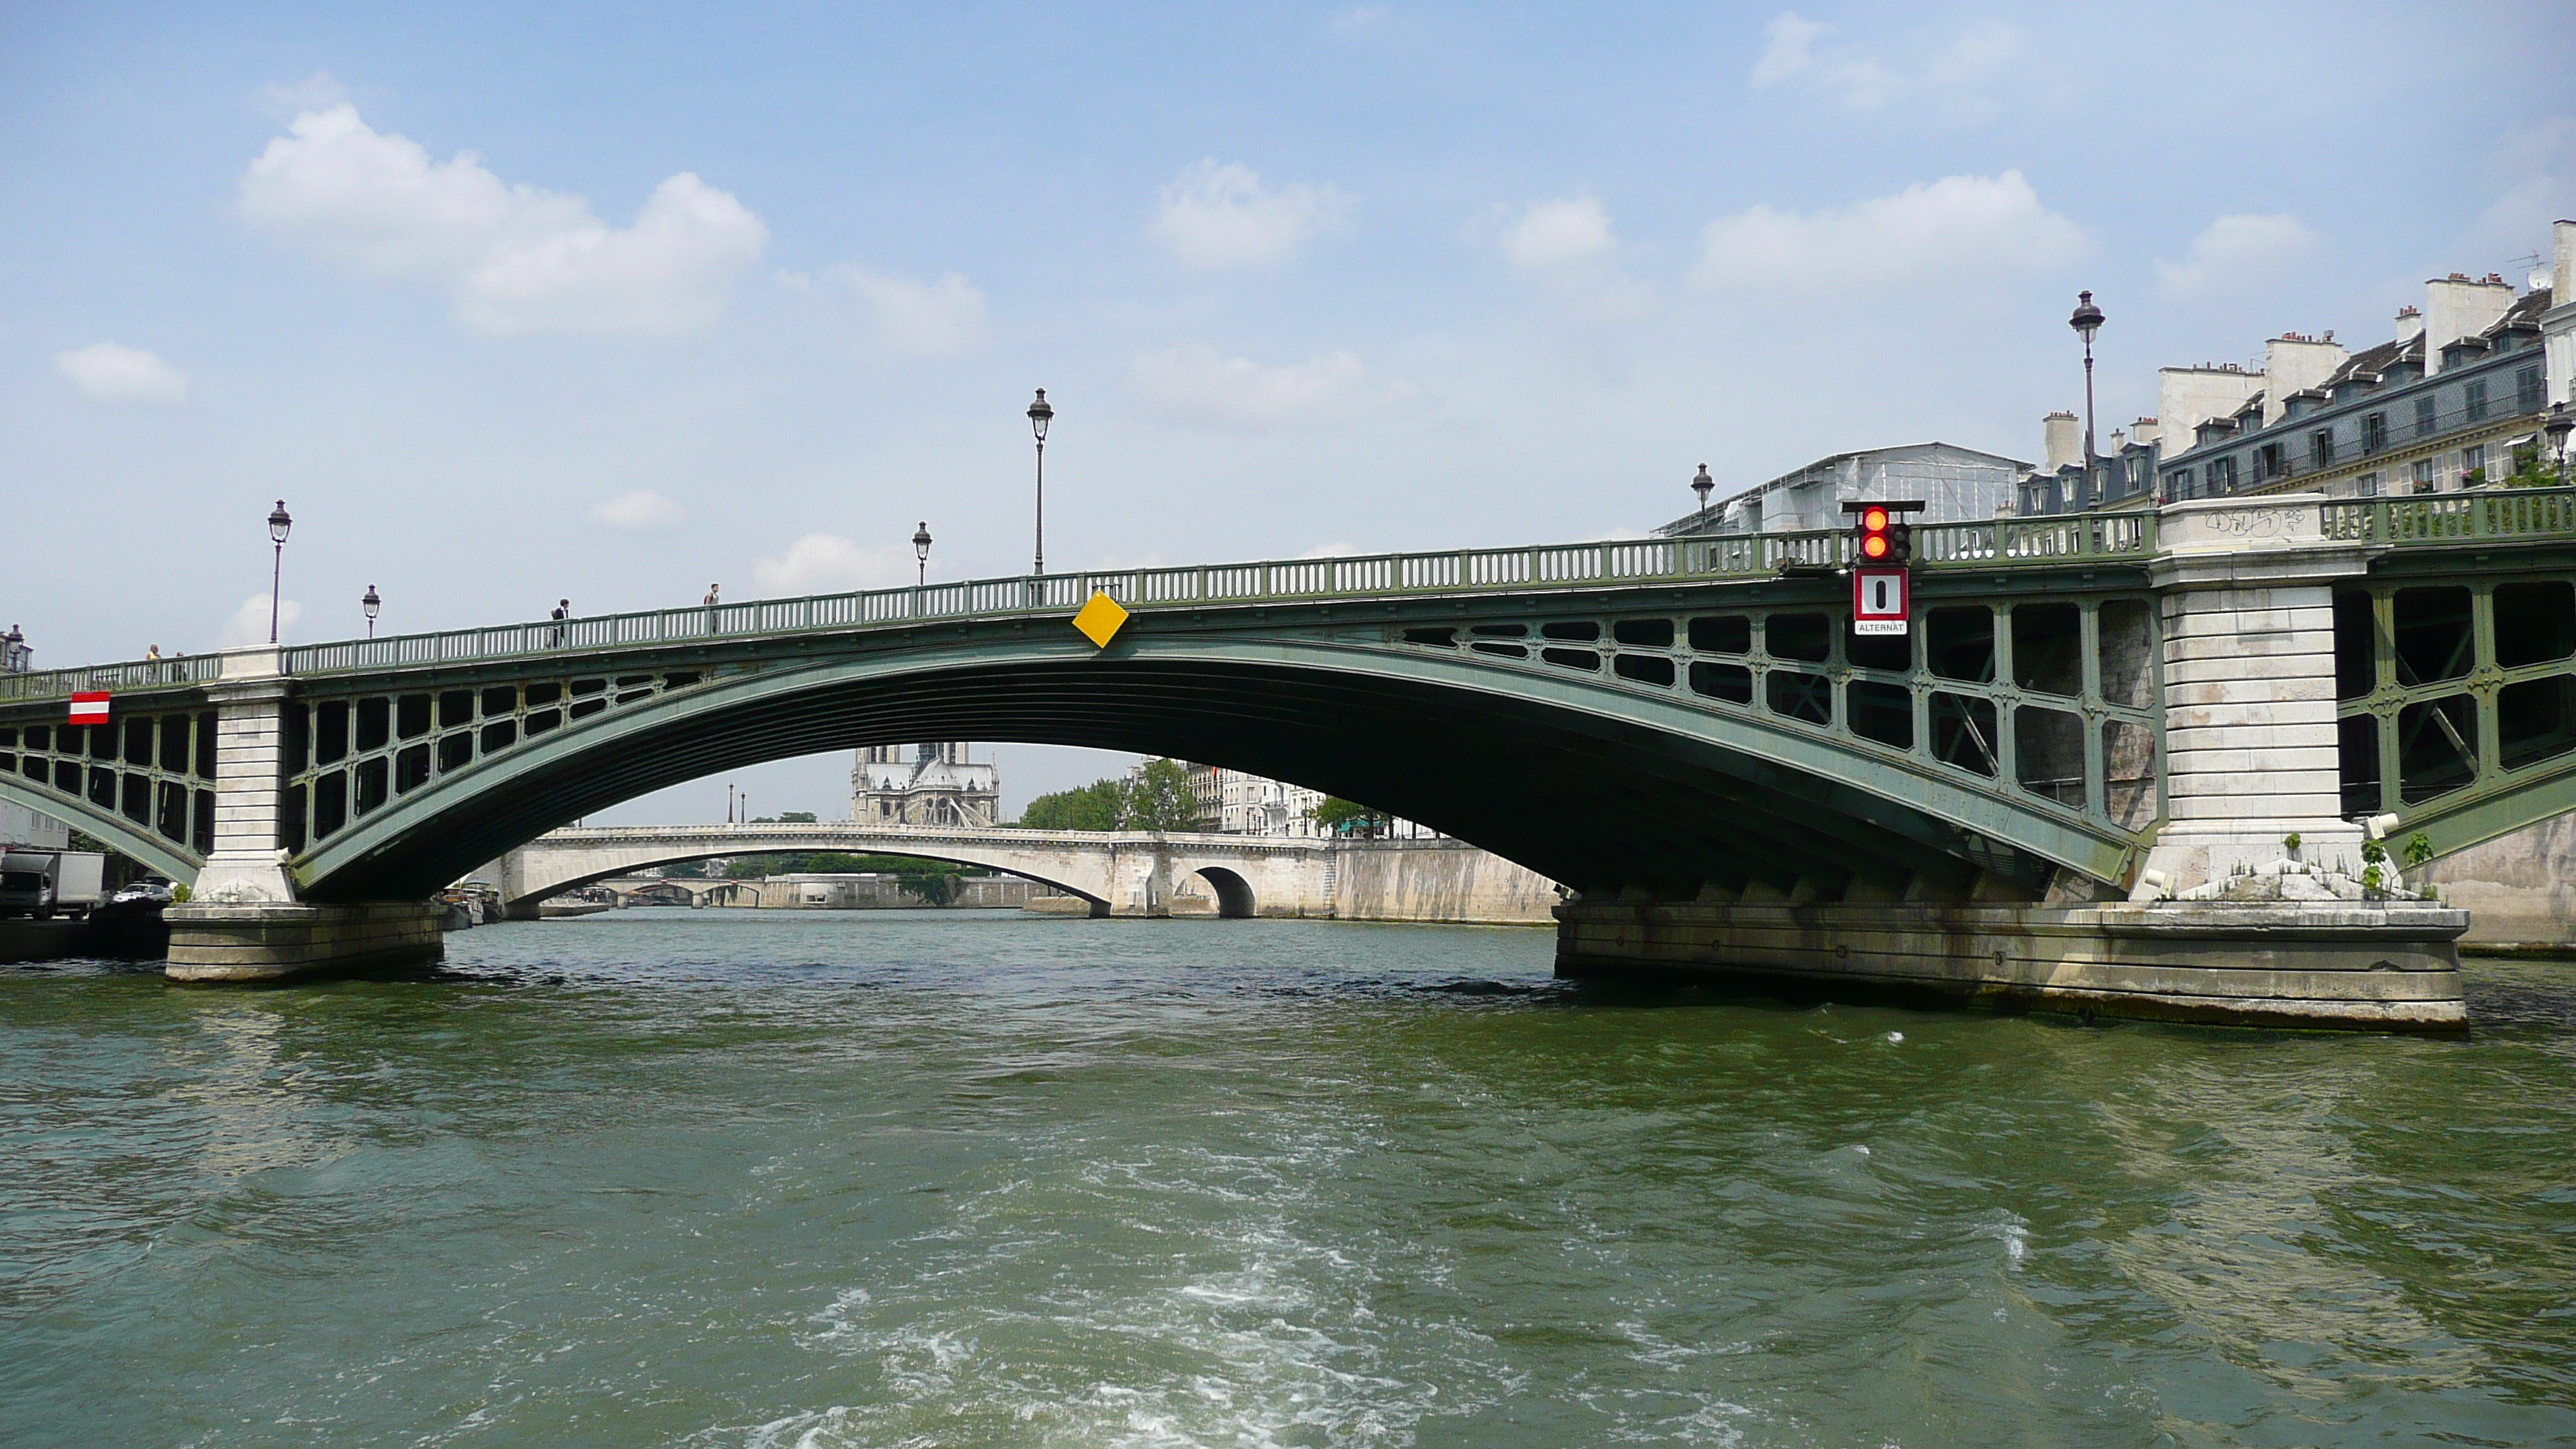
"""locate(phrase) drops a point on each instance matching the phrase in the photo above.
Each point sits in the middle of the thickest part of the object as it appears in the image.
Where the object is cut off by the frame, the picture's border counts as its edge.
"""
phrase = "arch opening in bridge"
(550, 888)
(1234, 900)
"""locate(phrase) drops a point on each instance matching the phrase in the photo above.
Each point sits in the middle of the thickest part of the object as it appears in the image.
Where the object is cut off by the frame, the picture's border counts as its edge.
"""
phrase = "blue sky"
(610, 302)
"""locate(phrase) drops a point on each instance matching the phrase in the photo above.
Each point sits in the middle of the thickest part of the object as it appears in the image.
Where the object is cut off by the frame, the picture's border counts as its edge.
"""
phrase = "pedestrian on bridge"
(563, 611)
(711, 596)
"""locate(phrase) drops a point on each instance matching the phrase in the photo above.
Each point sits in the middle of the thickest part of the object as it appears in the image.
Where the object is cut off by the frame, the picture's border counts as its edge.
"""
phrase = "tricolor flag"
(89, 707)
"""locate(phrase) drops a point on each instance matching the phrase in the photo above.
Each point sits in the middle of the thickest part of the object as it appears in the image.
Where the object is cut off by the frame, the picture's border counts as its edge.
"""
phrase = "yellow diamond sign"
(1099, 620)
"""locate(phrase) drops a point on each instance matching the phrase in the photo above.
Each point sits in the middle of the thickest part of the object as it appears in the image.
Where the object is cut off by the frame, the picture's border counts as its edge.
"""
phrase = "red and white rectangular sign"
(89, 707)
(1880, 604)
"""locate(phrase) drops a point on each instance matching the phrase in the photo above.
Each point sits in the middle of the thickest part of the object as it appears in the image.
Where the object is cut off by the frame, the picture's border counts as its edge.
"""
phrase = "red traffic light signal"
(1875, 541)
(1879, 536)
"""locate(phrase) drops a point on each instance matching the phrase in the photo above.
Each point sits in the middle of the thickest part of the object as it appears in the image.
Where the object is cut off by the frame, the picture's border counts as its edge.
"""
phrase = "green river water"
(948, 1179)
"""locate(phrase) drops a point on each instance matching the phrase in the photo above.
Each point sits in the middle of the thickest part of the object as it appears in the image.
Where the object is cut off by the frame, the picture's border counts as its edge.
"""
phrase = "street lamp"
(2560, 424)
(921, 552)
(2087, 321)
(1701, 485)
(278, 524)
(14, 653)
(1039, 416)
(371, 604)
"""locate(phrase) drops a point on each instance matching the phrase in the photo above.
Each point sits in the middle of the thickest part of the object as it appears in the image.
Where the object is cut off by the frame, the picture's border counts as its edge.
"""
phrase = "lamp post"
(2087, 321)
(278, 524)
(14, 653)
(371, 604)
(2560, 424)
(1701, 486)
(921, 552)
(1039, 416)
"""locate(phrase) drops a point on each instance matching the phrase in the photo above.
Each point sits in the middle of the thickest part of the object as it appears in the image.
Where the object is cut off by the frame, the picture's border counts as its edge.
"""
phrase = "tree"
(1349, 817)
(1160, 799)
(1088, 807)
(786, 817)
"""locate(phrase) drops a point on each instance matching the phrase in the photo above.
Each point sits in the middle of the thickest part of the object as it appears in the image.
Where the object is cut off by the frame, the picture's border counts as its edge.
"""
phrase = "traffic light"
(1880, 535)
(1874, 536)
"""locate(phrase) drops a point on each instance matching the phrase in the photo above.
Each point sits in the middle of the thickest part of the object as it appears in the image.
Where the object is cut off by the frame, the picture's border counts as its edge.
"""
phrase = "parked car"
(142, 892)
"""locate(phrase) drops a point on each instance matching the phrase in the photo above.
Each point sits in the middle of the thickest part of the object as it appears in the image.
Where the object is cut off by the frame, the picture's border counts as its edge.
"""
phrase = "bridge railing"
(138, 674)
(2501, 513)
(1986, 544)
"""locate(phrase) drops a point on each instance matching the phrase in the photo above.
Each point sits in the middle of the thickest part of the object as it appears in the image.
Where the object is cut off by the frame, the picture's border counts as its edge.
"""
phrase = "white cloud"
(1960, 76)
(822, 563)
(2538, 167)
(515, 258)
(642, 511)
(1222, 216)
(1193, 383)
(111, 373)
(943, 318)
(249, 623)
(317, 92)
(1553, 233)
(2237, 251)
(1959, 228)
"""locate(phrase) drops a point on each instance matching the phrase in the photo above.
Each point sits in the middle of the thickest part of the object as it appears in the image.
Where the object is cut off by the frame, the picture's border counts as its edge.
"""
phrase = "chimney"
(2186, 397)
(2410, 323)
(2061, 441)
(2147, 430)
(2460, 306)
(2294, 363)
(2562, 267)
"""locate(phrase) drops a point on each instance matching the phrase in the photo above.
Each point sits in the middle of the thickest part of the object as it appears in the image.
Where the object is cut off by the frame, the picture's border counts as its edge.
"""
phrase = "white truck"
(41, 883)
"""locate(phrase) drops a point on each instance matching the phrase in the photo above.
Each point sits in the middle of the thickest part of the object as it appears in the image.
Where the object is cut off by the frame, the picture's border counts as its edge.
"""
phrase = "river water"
(900, 1179)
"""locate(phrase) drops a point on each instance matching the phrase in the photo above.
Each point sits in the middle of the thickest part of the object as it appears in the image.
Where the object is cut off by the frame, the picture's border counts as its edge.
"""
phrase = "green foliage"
(1161, 799)
(179, 895)
(2290, 842)
(936, 887)
(786, 817)
(2474, 478)
(2371, 876)
(2372, 852)
(1089, 807)
(2419, 849)
(1349, 817)
(2530, 472)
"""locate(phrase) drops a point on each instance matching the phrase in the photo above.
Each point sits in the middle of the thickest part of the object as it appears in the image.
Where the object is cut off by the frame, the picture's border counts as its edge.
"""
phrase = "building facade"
(2455, 400)
(936, 785)
(2458, 398)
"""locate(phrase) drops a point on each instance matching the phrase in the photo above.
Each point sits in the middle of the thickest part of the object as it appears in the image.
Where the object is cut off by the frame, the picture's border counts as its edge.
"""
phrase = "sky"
(515, 303)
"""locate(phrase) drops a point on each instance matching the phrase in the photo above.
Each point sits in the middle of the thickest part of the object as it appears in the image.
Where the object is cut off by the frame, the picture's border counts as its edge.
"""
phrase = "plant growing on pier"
(2290, 843)
(2370, 877)
(2419, 850)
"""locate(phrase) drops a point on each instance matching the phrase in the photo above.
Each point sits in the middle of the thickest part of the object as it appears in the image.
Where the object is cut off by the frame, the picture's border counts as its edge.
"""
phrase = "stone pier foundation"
(2390, 966)
(274, 941)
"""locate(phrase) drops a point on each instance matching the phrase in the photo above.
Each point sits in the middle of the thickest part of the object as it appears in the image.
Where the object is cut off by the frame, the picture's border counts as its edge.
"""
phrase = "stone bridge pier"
(243, 921)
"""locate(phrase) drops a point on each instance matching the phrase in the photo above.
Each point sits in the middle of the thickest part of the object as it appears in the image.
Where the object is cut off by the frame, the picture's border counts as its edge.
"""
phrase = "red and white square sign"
(1880, 604)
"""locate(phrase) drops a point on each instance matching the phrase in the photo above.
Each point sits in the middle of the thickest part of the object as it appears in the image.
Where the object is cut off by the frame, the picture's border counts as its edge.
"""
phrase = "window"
(2473, 400)
(2423, 475)
(2473, 464)
(2222, 475)
(2321, 450)
(2424, 416)
(2374, 432)
(2178, 483)
(2366, 486)
(2527, 390)
(2270, 462)
(2137, 469)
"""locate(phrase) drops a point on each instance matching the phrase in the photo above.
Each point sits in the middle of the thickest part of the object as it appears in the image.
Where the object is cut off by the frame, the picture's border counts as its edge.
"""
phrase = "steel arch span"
(1601, 786)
